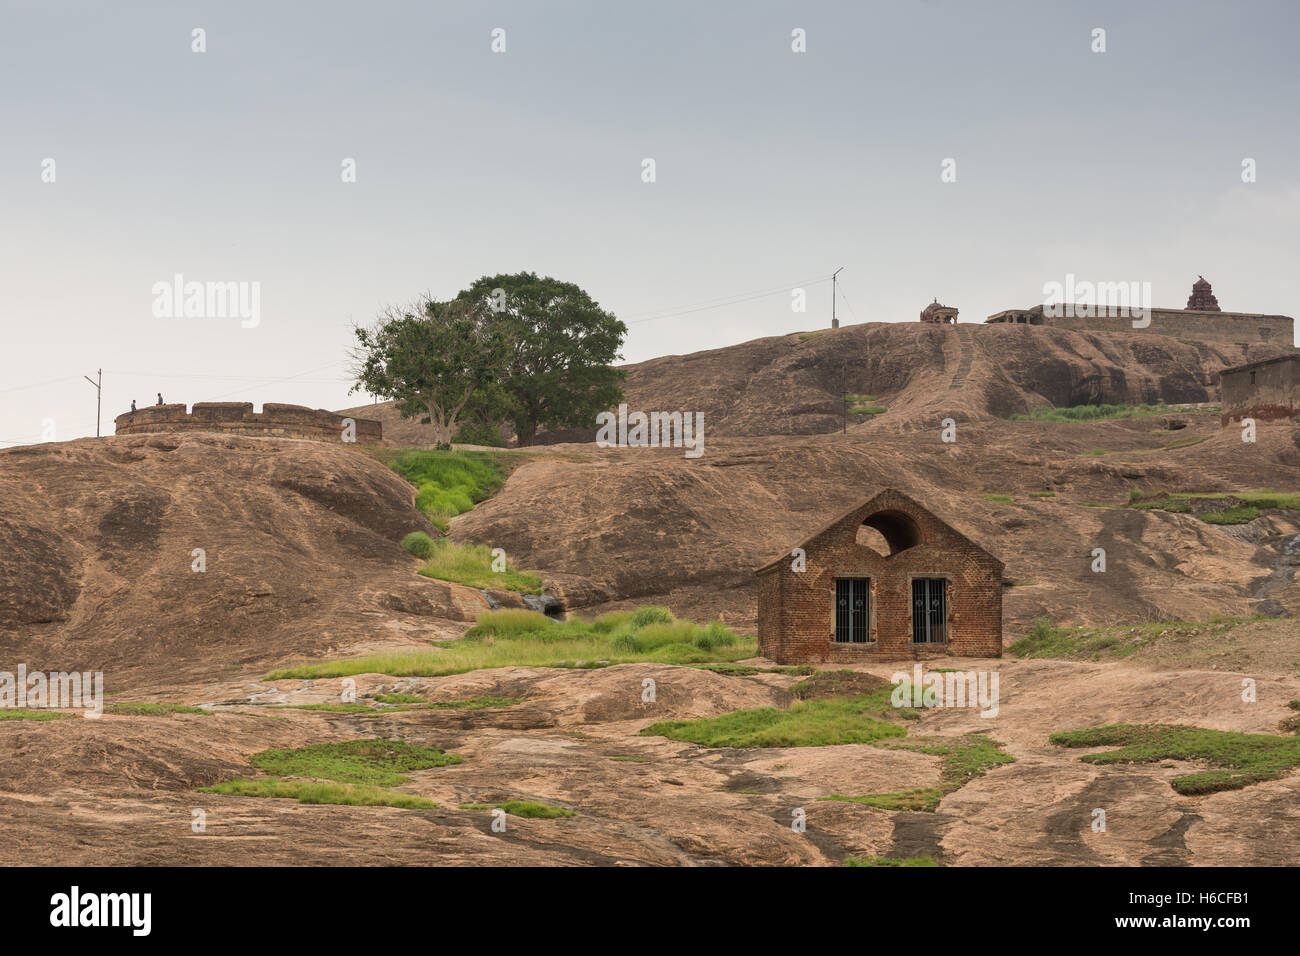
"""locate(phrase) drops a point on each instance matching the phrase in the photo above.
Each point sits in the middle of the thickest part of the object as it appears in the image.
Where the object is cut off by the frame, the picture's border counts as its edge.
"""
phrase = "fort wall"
(1230, 328)
(275, 420)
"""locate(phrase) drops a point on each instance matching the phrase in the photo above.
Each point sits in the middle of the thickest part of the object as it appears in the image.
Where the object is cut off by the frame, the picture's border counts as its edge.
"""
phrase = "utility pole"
(99, 396)
(835, 323)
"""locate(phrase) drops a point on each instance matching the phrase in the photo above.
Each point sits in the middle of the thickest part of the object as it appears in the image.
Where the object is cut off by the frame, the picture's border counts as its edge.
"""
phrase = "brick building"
(1262, 390)
(886, 581)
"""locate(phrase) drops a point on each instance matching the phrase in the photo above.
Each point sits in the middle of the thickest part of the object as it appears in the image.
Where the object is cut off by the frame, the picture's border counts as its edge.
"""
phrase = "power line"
(53, 381)
(724, 301)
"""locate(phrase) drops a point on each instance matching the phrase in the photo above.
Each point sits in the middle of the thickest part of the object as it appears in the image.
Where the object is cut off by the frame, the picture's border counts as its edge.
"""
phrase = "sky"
(772, 169)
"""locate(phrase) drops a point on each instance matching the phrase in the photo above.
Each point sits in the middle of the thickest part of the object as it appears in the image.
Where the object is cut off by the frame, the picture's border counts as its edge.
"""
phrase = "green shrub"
(509, 624)
(419, 544)
(651, 614)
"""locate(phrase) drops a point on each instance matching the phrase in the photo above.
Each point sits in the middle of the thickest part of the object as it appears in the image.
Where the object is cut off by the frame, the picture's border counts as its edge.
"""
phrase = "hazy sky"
(773, 168)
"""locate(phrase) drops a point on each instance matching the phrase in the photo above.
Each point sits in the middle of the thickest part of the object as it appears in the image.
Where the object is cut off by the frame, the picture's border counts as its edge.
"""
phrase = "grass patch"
(449, 482)
(1242, 759)
(381, 763)
(861, 719)
(471, 565)
(515, 638)
(890, 861)
(476, 703)
(1042, 494)
(27, 713)
(1045, 639)
(1242, 515)
(964, 758)
(134, 707)
(306, 791)
(925, 799)
(397, 698)
(1253, 502)
(332, 707)
(1092, 413)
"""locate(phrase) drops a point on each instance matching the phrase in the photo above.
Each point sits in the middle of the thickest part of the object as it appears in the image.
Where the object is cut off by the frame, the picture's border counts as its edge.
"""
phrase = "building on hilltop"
(274, 420)
(1269, 389)
(887, 580)
(1201, 321)
(1202, 298)
(939, 314)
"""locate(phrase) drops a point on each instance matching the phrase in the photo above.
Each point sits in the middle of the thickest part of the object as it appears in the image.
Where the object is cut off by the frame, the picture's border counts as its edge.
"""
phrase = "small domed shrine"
(1202, 298)
(936, 313)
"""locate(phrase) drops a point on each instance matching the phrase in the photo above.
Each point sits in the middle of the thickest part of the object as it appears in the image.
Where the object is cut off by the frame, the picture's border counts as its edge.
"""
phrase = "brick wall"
(1261, 390)
(796, 610)
(283, 421)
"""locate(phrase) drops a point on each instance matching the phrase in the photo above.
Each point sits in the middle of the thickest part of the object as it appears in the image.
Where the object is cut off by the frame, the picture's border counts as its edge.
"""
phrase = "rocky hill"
(300, 541)
(793, 384)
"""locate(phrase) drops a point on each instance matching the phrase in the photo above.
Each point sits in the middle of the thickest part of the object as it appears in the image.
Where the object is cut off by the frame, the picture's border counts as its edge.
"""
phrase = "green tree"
(430, 358)
(560, 346)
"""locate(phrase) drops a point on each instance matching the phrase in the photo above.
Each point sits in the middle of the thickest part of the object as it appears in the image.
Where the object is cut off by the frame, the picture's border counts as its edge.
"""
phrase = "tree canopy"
(530, 350)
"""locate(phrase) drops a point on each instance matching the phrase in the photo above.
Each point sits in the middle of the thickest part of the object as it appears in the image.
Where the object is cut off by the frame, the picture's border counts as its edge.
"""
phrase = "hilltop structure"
(278, 421)
(837, 599)
(939, 314)
(1202, 298)
(1263, 390)
(1201, 321)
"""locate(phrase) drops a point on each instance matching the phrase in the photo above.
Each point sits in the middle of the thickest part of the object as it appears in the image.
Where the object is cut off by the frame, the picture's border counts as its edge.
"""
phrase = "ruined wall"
(1262, 390)
(281, 421)
(1230, 328)
(796, 610)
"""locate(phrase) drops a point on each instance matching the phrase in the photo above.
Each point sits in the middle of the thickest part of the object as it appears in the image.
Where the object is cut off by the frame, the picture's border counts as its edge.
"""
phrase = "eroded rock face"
(648, 526)
(299, 540)
(41, 583)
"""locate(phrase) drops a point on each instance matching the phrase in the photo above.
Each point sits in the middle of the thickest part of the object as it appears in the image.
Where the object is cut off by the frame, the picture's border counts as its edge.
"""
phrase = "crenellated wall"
(280, 421)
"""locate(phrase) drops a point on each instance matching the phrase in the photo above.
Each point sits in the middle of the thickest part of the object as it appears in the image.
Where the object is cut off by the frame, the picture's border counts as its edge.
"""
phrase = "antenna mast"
(835, 323)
